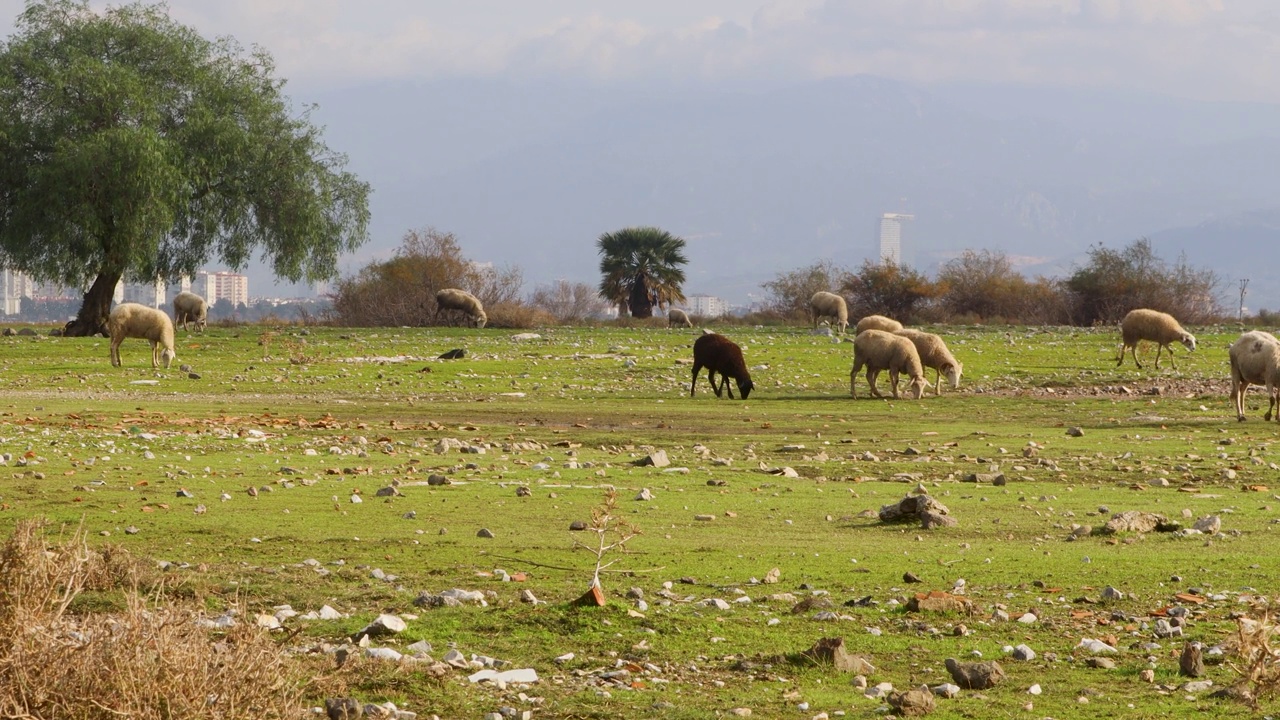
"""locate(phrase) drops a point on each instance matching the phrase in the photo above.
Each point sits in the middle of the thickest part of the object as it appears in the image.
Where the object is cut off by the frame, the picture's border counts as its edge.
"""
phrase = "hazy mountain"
(765, 181)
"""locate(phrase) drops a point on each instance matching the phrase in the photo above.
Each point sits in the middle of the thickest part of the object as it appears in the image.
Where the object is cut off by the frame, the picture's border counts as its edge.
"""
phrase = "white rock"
(382, 653)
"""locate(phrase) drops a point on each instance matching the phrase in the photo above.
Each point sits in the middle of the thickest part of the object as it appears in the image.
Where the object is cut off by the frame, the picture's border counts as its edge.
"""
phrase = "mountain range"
(765, 180)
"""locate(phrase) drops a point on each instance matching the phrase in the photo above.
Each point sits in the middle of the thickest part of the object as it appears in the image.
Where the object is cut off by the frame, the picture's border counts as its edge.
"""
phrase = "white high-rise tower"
(891, 237)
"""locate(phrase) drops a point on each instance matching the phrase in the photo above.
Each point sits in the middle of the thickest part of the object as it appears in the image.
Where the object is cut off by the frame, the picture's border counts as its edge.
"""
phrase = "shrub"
(1114, 282)
(885, 288)
(402, 291)
(789, 292)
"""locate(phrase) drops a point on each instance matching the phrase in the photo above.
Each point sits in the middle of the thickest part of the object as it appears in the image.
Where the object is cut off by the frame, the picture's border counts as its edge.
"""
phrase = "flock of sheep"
(134, 320)
(880, 344)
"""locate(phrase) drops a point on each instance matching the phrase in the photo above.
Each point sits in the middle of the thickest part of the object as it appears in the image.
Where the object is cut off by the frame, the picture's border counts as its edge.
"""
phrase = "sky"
(1200, 49)
(1211, 50)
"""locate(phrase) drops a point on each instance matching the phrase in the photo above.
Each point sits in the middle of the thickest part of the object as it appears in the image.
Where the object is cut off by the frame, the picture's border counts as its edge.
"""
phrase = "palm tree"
(642, 267)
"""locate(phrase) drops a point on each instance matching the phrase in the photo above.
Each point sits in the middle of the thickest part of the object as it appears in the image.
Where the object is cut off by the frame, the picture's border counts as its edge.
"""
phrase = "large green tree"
(642, 267)
(131, 147)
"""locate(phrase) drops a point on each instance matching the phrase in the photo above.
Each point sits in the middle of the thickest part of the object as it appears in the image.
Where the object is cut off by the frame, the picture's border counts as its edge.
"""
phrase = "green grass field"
(310, 418)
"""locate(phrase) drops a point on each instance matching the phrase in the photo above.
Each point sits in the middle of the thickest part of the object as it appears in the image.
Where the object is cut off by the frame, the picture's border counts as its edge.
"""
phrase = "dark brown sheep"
(719, 354)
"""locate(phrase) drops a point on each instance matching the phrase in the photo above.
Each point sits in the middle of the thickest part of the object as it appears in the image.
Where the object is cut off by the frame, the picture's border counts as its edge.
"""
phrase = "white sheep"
(825, 304)
(879, 350)
(1159, 328)
(676, 316)
(1255, 358)
(131, 320)
(934, 354)
(455, 299)
(190, 306)
(878, 322)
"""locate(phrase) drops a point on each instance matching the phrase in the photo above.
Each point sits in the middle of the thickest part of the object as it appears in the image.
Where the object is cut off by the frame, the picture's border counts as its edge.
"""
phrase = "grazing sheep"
(1159, 328)
(934, 354)
(676, 316)
(190, 306)
(719, 354)
(878, 322)
(1255, 358)
(455, 299)
(825, 304)
(131, 320)
(879, 350)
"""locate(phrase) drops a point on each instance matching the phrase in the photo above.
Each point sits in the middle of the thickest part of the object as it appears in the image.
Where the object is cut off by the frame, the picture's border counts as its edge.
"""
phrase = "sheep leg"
(155, 354)
(853, 381)
(115, 352)
(696, 369)
(871, 381)
(1134, 349)
(937, 382)
(893, 381)
(711, 378)
(1173, 363)
(724, 383)
(1120, 361)
(1238, 386)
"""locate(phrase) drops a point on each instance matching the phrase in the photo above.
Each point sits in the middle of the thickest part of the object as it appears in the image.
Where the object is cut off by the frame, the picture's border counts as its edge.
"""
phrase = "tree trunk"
(640, 301)
(92, 318)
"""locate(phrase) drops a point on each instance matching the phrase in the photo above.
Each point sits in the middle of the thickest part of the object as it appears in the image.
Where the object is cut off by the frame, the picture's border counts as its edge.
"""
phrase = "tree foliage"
(131, 147)
(886, 288)
(789, 293)
(401, 291)
(1113, 282)
(642, 267)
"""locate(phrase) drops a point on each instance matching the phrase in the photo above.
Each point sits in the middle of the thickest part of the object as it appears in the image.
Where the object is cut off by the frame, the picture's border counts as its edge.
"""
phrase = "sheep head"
(167, 356)
(1188, 340)
(952, 373)
(745, 387)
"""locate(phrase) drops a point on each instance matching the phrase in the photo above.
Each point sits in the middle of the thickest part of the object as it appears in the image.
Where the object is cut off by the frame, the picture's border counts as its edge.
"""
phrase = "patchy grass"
(310, 420)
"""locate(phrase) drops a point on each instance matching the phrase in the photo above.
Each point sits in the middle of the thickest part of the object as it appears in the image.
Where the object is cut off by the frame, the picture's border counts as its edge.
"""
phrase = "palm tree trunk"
(641, 300)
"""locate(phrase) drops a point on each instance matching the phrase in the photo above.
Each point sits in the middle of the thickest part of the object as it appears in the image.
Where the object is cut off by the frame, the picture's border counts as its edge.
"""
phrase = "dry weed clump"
(142, 663)
(1253, 657)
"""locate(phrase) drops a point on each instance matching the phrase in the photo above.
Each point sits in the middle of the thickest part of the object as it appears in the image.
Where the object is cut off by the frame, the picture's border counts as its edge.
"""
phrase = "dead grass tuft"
(142, 663)
(1253, 656)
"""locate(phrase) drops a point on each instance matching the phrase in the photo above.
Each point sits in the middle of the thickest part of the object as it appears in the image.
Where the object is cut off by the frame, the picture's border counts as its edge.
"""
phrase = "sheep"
(1255, 358)
(825, 304)
(131, 320)
(879, 350)
(190, 306)
(1158, 327)
(878, 322)
(455, 299)
(676, 316)
(719, 354)
(934, 354)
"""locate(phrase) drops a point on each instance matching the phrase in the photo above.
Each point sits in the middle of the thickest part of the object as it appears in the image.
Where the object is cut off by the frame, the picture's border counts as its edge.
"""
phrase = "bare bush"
(1114, 282)
(569, 302)
(883, 288)
(789, 292)
(144, 662)
(401, 291)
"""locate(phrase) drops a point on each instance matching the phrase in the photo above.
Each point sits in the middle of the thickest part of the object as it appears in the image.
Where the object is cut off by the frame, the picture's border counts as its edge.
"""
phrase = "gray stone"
(1191, 663)
(913, 703)
(1209, 524)
(484, 533)
(658, 458)
(1024, 652)
(343, 708)
(975, 675)
(437, 480)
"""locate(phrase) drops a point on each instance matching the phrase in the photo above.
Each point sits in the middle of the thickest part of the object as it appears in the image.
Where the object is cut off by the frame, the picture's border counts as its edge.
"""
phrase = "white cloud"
(1200, 48)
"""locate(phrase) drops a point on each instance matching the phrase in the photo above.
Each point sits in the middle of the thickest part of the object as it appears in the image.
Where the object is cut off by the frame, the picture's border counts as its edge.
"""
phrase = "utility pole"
(1244, 283)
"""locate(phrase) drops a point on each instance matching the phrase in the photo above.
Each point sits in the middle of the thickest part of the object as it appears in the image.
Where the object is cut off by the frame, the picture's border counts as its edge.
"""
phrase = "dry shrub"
(142, 663)
(1254, 658)
(517, 315)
